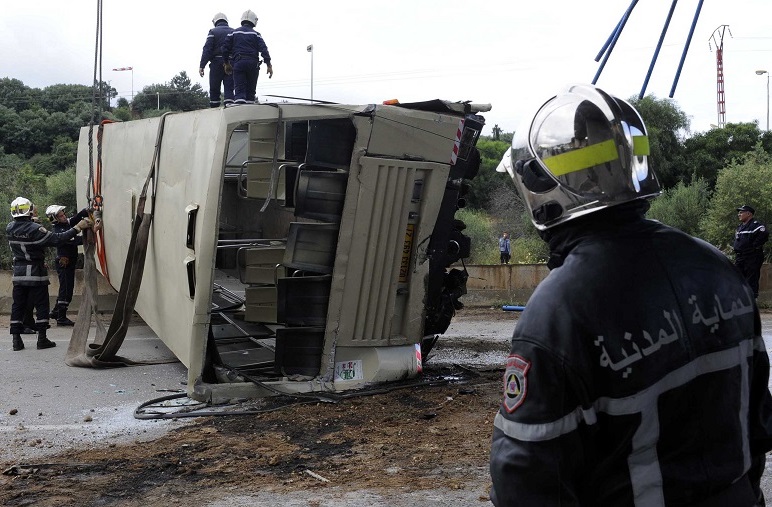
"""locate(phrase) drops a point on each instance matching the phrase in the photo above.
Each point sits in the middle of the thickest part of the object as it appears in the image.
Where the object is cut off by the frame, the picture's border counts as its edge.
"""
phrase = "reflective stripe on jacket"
(28, 241)
(245, 42)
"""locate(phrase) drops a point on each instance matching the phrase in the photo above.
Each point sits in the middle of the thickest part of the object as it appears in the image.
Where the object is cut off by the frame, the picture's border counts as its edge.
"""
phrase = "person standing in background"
(66, 260)
(749, 239)
(505, 252)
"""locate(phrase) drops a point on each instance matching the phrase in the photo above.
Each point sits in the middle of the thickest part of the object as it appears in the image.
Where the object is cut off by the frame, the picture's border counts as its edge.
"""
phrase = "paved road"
(57, 406)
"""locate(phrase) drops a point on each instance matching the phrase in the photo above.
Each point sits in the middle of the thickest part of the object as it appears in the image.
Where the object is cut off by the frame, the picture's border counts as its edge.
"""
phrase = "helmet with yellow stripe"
(583, 151)
(21, 207)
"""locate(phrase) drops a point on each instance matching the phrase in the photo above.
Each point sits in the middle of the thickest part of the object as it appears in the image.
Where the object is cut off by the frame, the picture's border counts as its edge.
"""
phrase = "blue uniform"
(243, 48)
(213, 53)
(748, 245)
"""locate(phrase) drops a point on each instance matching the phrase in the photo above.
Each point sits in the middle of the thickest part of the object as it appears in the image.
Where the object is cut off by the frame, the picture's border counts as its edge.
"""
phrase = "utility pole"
(718, 39)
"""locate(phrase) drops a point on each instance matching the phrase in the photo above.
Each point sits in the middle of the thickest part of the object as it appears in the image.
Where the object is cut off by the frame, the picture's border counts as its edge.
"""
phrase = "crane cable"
(102, 353)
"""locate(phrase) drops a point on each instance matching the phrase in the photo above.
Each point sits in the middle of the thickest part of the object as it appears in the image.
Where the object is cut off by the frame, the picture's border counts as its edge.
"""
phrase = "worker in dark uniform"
(749, 239)
(28, 240)
(637, 374)
(212, 54)
(241, 51)
(66, 260)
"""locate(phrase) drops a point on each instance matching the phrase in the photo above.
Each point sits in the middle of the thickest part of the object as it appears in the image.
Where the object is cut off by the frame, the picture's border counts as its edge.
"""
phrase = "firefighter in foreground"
(66, 260)
(637, 373)
(28, 240)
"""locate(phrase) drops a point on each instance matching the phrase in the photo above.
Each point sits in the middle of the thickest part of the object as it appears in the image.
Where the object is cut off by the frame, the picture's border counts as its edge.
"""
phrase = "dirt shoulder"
(413, 444)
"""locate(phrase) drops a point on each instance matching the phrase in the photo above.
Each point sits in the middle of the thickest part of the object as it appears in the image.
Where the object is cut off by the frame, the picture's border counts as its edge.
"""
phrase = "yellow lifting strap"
(590, 156)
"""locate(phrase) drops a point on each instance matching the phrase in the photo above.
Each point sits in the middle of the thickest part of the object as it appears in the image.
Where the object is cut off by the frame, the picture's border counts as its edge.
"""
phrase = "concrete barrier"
(105, 299)
(513, 284)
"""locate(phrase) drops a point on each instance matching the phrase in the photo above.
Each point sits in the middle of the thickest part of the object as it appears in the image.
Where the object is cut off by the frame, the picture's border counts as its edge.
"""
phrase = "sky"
(512, 54)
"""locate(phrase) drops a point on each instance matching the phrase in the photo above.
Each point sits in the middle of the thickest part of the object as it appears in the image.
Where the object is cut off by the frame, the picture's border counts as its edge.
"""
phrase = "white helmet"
(219, 16)
(53, 210)
(21, 207)
(249, 16)
(583, 151)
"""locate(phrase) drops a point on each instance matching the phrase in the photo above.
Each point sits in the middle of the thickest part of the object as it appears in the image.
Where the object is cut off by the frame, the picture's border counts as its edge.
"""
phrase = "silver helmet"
(21, 207)
(54, 210)
(249, 16)
(582, 151)
(219, 17)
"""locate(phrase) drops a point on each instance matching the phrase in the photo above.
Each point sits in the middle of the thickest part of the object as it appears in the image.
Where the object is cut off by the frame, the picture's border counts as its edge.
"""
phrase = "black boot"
(61, 316)
(43, 341)
(17, 343)
(54, 314)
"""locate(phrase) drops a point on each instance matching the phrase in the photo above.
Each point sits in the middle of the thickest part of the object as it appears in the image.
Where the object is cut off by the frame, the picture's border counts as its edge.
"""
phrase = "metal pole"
(132, 83)
(158, 99)
(310, 49)
(761, 72)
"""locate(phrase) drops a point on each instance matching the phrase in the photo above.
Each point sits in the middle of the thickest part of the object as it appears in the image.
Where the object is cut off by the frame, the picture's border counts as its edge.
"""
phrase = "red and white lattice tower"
(718, 39)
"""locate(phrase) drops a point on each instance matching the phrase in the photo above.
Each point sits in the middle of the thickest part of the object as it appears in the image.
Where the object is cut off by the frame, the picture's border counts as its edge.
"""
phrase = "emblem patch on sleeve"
(515, 383)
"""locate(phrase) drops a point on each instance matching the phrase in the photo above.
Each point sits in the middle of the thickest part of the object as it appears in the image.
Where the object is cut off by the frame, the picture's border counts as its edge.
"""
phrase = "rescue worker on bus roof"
(66, 260)
(212, 54)
(241, 51)
(28, 240)
(637, 373)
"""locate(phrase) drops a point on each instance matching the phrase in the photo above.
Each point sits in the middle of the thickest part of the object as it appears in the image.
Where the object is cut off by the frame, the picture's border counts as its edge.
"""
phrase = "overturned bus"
(294, 248)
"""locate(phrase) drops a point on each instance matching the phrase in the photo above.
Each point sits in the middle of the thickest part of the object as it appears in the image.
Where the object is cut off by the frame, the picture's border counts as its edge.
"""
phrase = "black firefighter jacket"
(69, 249)
(637, 376)
(749, 238)
(28, 240)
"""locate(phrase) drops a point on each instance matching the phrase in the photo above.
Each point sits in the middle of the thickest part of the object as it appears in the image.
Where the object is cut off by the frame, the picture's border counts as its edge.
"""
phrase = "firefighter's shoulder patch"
(515, 382)
(42, 229)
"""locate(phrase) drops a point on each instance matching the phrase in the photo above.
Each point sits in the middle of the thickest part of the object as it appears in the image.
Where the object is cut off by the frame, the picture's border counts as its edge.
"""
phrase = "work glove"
(64, 261)
(228, 68)
(270, 71)
(83, 224)
(201, 71)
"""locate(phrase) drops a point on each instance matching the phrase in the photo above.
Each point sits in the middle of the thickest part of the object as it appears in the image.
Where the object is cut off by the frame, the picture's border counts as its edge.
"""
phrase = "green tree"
(482, 187)
(177, 95)
(61, 189)
(480, 229)
(707, 153)
(16, 95)
(682, 206)
(511, 215)
(747, 180)
(667, 125)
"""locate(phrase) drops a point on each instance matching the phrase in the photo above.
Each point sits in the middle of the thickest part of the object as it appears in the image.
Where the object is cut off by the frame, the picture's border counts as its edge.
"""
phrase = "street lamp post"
(761, 73)
(310, 49)
(132, 78)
